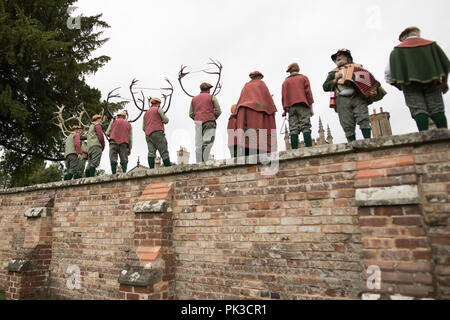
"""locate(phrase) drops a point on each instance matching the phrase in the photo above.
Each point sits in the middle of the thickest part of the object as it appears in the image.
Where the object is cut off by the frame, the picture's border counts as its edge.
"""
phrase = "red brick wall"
(240, 234)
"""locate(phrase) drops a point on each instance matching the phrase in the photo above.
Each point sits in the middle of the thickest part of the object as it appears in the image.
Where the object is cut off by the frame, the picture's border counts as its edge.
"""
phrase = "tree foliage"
(43, 65)
(17, 170)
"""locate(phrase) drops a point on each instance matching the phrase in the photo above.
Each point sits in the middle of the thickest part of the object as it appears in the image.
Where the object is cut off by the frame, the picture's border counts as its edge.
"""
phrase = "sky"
(150, 40)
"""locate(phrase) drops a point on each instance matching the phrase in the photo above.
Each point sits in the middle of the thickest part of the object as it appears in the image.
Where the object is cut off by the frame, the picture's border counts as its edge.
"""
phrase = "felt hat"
(76, 127)
(255, 74)
(405, 32)
(293, 67)
(205, 86)
(95, 117)
(155, 100)
(122, 114)
(342, 51)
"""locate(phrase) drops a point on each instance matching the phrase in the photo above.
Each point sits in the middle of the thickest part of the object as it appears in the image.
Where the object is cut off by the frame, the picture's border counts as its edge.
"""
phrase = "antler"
(111, 95)
(218, 84)
(181, 75)
(141, 100)
(62, 123)
(167, 95)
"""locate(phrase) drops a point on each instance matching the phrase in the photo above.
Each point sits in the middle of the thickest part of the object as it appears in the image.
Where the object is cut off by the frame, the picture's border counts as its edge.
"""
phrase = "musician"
(120, 134)
(298, 102)
(153, 125)
(351, 107)
(255, 125)
(204, 110)
(231, 128)
(420, 68)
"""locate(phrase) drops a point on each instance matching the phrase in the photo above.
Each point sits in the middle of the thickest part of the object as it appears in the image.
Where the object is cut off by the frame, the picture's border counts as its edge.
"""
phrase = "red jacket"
(296, 89)
(203, 108)
(153, 120)
(120, 131)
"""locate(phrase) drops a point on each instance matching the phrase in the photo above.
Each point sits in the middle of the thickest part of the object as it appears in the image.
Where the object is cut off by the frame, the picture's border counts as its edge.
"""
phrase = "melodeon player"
(355, 89)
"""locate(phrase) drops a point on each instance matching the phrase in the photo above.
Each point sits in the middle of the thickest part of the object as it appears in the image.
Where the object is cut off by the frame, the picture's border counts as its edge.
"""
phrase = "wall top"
(430, 136)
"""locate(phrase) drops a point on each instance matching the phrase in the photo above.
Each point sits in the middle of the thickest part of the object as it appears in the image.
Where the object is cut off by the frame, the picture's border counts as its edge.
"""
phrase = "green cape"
(423, 64)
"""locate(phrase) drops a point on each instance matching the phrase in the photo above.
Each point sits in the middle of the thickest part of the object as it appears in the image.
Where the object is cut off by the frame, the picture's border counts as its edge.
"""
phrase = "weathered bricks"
(235, 233)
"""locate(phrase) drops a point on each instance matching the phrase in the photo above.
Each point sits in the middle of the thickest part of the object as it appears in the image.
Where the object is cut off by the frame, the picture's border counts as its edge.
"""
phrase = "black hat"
(342, 51)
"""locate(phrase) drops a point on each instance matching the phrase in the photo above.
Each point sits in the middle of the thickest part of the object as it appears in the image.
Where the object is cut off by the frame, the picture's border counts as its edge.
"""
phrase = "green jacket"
(328, 85)
(93, 139)
(70, 145)
(422, 64)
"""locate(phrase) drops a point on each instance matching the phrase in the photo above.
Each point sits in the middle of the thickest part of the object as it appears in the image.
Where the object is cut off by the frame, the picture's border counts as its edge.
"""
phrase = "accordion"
(362, 80)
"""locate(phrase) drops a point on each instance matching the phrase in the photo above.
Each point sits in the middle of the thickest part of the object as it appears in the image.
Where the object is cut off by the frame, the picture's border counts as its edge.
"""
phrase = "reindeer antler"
(63, 123)
(181, 75)
(218, 84)
(141, 100)
(167, 95)
(111, 95)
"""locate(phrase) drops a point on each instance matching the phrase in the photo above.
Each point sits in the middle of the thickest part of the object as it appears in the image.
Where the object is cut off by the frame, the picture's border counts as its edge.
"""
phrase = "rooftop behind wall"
(309, 226)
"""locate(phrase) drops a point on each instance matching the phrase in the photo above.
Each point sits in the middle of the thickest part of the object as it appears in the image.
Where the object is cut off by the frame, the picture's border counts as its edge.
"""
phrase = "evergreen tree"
(43, 64)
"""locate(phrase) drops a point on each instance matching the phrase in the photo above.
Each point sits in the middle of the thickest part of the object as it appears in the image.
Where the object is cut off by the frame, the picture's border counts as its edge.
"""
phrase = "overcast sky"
(150, 40)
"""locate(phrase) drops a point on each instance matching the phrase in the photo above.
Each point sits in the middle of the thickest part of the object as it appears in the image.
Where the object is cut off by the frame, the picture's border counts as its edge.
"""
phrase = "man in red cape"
(255, 123)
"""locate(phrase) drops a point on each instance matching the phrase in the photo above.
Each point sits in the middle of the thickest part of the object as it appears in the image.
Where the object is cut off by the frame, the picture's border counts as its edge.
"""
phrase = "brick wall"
(308, 232)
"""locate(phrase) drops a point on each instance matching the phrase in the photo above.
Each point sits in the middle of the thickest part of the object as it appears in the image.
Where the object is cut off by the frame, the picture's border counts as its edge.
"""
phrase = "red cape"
(264, 134)
(255, 95)
(414, 42)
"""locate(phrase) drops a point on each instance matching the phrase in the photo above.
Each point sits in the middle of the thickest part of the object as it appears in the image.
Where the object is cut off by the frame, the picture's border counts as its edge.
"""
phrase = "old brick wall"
(239, 233)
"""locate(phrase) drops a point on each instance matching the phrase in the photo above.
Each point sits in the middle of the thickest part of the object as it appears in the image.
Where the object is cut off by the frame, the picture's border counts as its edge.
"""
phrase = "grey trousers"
(352, 110)
(94, 156)
(157, 141)
(205, 135)
(299, 118)
(120, 151)
(424, 98)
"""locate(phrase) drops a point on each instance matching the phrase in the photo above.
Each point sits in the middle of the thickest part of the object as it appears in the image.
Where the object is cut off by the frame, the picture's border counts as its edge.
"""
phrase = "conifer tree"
(43, 64)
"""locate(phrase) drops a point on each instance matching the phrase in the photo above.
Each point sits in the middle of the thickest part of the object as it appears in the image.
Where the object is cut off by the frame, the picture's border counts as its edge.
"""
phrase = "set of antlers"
(217, 88)
(83, 118)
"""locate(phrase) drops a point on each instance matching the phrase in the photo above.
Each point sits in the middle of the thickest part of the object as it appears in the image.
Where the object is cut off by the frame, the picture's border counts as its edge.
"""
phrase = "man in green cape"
(420, 69)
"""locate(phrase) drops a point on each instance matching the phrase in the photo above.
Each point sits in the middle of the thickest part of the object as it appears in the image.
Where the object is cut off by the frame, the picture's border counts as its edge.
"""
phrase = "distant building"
(321, 140)
(381, 126)
(138, 167)
(182, 156)
(287, 143)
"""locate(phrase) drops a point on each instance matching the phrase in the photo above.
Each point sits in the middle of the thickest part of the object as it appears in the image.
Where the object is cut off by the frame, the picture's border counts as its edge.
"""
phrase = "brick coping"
(418, 138)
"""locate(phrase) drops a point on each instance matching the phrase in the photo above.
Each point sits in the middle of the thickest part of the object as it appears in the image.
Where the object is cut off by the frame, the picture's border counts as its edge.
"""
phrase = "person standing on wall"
(73, 153)
(297, 100)
(96, 145)
(231, 130)
(153, 126)
(420, 68)
(120, 135)
(255, 125)
(351, 106)
(204, 110)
